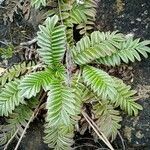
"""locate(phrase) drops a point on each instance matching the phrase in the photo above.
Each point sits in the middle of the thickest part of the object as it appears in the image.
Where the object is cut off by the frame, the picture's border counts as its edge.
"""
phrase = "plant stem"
(60, 13)
(68, 55)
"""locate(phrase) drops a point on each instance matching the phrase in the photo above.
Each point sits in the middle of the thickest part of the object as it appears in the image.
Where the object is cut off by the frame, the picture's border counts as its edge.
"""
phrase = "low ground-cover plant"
(66, 81)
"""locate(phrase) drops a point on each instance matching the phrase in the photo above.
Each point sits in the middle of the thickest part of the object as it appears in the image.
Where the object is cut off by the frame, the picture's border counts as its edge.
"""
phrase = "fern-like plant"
(71, 12)
(69, 81)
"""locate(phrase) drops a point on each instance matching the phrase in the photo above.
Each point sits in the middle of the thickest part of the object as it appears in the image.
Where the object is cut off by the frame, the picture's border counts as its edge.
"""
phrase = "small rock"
(146, 12)
(138, 19)
(135, 29)
(139, 135)
(130, 35)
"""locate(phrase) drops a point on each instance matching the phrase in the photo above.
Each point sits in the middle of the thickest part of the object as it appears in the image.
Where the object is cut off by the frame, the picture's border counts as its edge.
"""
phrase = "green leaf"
(52, 41)
(60, 104)
(107, 119)
(100, 82)
(7, 52)
(15, 71)
(82, 94)
(59, 137)
(10, 97)
(17, 120)
(80, 13)
(129, 50)
(38, 3)
(124, 98)
(99, 45)
(32, 83)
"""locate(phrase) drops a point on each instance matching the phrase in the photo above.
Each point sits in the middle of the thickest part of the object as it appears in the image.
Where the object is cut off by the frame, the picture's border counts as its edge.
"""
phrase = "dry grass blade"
(95, 128)
(24, 131)
(122, 141)
(31, 119)
(6, 146)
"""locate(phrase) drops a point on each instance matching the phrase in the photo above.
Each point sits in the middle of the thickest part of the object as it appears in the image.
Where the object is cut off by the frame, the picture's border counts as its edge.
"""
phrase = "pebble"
(138, 19)
(146, 12)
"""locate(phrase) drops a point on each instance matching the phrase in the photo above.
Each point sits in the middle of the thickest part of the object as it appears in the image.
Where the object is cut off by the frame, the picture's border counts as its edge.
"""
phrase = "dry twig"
(28, 42)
